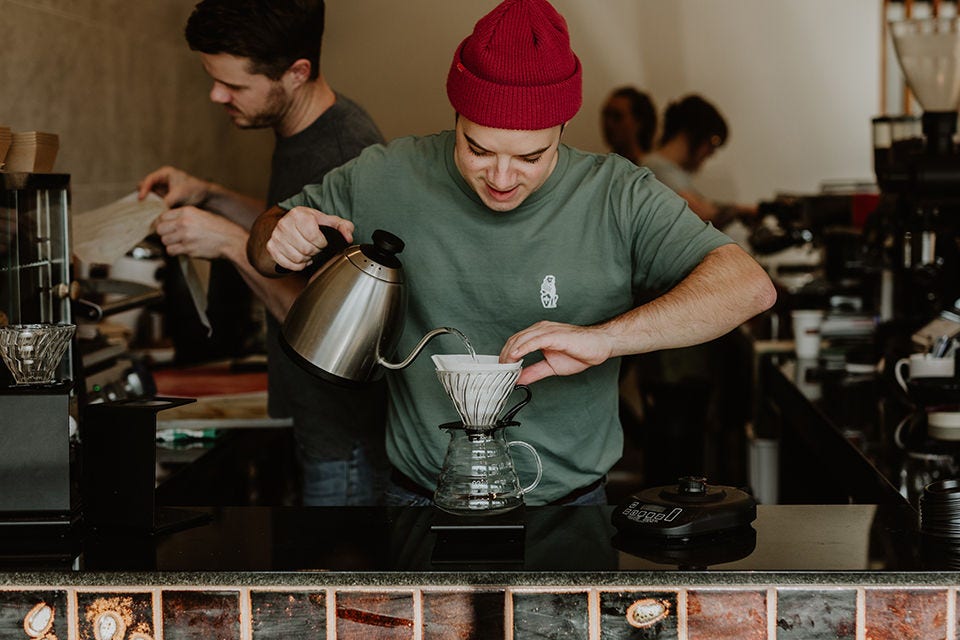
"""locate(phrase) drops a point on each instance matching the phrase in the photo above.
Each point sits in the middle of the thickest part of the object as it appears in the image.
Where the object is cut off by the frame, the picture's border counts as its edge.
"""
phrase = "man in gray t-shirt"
(264, 59)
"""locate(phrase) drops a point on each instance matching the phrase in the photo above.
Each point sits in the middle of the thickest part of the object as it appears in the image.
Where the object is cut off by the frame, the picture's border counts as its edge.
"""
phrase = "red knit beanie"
(517, 70)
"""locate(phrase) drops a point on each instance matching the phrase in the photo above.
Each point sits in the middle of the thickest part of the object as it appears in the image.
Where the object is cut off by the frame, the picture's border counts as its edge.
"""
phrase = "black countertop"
(787, 544)
(872, 425)
(873, 542)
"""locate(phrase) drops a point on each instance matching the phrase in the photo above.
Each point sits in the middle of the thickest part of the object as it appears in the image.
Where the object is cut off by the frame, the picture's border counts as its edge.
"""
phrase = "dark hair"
(643, 111)
(698, 119)
(273, 34)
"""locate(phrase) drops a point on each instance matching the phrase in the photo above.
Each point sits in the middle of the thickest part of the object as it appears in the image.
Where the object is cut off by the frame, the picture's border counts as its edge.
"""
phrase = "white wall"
(798, 80)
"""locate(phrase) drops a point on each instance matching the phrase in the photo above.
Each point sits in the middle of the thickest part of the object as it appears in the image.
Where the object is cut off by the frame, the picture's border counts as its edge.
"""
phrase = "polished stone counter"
(787, 544)
(858, 426)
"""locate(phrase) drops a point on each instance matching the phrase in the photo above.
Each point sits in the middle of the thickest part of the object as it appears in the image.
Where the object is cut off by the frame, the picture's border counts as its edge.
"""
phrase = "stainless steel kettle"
(349, 319)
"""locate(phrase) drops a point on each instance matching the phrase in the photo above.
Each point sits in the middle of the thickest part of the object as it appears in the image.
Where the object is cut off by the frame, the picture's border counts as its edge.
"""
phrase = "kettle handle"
(336, 243)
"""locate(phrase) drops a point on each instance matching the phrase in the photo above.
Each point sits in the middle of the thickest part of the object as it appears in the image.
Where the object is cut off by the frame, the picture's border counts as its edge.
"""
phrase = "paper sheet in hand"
(104, 235)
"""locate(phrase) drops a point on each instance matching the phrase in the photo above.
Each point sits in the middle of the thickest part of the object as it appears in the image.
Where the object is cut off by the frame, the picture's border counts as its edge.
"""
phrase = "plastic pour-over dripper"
(929, 53)
(478, 386)
(33, 352)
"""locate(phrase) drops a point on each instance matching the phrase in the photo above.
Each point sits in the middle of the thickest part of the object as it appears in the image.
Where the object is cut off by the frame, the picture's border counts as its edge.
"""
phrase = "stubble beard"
(270, 115)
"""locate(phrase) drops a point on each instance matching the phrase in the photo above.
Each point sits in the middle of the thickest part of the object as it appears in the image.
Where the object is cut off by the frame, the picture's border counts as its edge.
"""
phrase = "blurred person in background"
(629, 123)
(693, 130)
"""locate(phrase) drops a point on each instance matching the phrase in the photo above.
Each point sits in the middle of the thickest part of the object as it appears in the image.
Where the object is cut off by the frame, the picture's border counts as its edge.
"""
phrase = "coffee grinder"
(917, 164)
(37, 478)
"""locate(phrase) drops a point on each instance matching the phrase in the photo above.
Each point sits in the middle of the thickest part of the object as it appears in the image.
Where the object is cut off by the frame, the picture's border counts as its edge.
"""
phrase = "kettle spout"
(420, 345)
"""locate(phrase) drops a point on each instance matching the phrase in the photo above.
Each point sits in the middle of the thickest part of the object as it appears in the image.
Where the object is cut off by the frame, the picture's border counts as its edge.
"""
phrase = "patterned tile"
(816, 614)
(557, 616)
(201, 615)
(726, 615)
(284, 614)
(906, 614)
(464, 615)
(115, 615)
(43, 612)
(374, 616)
(635, 614)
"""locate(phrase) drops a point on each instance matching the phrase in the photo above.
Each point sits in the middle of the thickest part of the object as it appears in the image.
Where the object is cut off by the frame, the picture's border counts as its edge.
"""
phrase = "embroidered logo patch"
(548, 292)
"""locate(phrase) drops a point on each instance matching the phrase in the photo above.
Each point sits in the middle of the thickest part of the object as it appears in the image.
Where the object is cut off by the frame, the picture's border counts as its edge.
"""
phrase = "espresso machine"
(917, 164)
(37, 459)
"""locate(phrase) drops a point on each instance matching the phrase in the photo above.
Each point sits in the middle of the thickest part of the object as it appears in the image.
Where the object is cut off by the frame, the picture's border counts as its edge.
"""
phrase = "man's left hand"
(567, 349)
(198, 233)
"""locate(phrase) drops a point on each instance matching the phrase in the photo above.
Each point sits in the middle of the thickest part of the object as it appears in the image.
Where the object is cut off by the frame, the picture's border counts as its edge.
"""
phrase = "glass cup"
(33, 352)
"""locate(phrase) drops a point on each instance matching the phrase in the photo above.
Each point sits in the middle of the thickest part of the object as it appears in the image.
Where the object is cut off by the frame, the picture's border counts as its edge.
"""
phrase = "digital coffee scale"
(692, 525)
(685, 511)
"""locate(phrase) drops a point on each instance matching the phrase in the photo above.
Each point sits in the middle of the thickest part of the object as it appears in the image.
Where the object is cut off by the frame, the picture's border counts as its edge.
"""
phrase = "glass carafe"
(478, 476)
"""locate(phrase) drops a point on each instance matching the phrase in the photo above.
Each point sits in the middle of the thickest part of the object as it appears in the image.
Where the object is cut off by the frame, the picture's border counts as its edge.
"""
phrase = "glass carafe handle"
(536, 456)
(509, 415)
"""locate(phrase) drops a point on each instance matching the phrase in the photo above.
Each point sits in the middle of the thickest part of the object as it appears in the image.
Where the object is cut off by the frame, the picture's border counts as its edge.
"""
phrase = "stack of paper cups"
(6, 138)
(32, 151)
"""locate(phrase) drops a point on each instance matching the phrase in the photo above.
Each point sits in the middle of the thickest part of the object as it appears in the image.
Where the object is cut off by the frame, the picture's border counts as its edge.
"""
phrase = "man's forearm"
(260, 233)
(276, 295)
(725, 290)
(233, 206)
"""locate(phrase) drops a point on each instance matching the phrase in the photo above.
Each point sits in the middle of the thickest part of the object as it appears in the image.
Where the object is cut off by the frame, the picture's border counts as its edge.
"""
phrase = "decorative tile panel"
(374, 616)
(115, 616)
(638, 614)
(557, 616)
(806, 614)
(201, 615)
(726, 615)
(33, 614)
(905, 614)
(286, 614)
(463, 612)
(464, 615)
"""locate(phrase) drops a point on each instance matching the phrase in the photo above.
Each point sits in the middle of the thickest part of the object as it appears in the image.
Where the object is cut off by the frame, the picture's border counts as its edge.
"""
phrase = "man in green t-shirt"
(534, 250)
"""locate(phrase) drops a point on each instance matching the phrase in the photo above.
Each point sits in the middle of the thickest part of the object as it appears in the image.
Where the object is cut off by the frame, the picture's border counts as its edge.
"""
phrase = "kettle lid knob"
(384, 249)
(387, 242)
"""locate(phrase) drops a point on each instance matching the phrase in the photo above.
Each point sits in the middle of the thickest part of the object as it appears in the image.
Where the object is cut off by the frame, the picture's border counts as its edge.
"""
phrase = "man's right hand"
(176, 187)
(296, 237)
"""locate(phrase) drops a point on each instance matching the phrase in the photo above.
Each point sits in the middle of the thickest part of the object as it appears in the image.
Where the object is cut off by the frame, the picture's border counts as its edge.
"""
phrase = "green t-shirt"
(578, 250)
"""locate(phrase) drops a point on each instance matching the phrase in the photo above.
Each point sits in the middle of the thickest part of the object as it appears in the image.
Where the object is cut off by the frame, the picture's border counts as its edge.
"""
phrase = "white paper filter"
(478, 387)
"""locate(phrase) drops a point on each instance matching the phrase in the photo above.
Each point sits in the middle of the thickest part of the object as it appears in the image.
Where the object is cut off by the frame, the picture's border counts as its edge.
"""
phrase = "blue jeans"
(397, 496)
(354, 482)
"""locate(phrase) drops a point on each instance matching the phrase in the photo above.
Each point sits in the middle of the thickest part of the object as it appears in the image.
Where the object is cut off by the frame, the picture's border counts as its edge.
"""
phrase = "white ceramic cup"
(922, 365)
(806, 332)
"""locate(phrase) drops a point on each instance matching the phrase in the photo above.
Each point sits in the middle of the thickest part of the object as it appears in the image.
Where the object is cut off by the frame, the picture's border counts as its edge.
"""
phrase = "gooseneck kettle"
(349, 319)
